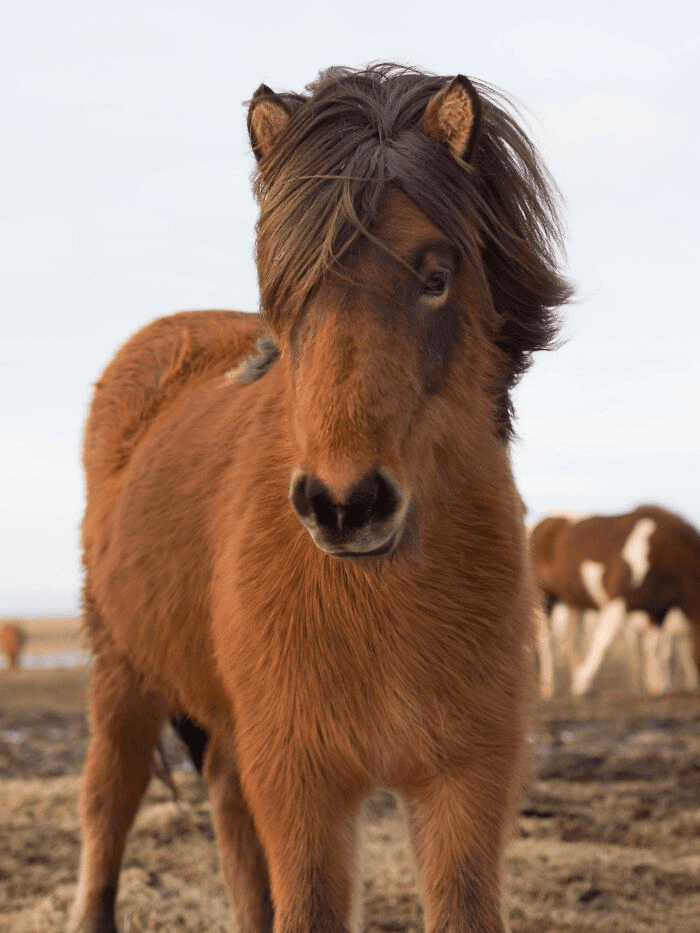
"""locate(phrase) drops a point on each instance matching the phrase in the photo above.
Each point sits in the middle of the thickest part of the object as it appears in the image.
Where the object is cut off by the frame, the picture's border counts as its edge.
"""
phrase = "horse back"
(150, 371)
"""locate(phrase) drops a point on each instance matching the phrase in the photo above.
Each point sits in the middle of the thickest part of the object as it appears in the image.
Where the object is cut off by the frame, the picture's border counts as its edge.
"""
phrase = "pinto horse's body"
(317, 556)
(644, 563)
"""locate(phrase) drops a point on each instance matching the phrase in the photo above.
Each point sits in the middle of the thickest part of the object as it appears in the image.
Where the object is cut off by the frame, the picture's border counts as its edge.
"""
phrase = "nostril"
(389, 498)
(310, 498)
(298, 496)
(328, 513)
(374, 498)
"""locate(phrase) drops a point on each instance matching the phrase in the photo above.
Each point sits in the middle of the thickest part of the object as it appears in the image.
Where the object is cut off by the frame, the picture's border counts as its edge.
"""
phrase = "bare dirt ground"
(608, 836)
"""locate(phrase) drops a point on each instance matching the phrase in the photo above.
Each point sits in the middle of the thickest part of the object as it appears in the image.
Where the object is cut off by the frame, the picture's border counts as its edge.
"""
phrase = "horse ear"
(267, 118)
(453, 116)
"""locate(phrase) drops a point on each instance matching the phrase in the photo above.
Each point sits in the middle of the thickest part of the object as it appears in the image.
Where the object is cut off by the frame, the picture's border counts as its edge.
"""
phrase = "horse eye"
(435, 284)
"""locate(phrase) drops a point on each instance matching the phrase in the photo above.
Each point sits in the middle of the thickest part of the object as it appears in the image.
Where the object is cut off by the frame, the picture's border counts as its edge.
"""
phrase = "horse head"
(380, 310)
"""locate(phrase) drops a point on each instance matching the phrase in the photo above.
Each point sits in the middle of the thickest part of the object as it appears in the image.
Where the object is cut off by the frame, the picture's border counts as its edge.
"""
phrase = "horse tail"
(193, 736)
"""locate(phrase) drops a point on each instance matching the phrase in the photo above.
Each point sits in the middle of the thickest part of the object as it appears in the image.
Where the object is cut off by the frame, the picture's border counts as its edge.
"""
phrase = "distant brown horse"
(12, 638)
(317, 556)
(645, 561)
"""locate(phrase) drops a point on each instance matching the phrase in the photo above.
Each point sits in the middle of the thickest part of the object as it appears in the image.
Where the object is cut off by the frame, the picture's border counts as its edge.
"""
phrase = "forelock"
(322, 187)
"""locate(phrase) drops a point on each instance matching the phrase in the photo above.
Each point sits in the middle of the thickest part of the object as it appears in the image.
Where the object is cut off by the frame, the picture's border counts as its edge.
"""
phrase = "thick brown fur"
(559, 546)
(389, 643)
(12, 638)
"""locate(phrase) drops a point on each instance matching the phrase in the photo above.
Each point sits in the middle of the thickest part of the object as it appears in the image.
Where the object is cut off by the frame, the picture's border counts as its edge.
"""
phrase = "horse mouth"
(357, 550)
(381, 550)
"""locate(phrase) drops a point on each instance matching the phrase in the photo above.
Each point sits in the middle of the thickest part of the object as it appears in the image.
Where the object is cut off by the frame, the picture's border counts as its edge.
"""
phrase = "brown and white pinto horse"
(645, 563)
(318, 556)
(12, 637)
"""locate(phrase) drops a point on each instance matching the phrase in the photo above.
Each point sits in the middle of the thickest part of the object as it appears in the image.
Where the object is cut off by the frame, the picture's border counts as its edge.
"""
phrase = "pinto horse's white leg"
(676, 647)
(578, 623)
(656, 661)
(566, 628)
(545, 654)
(242, 858)
(641, 651)
(607, 626)
(126, 723)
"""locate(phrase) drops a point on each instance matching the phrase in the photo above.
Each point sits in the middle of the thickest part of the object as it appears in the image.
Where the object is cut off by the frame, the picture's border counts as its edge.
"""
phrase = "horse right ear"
(453, 117)
(267, 118)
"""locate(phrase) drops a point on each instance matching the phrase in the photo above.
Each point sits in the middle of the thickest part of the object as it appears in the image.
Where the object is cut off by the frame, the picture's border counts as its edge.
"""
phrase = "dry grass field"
(608, 835)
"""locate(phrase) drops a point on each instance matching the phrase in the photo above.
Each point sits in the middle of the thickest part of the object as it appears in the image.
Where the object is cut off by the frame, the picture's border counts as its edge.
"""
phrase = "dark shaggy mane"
(356, 132)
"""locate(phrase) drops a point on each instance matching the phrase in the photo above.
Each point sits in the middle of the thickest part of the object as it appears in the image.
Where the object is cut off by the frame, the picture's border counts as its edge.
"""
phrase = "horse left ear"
(267, 118)
(453, 116)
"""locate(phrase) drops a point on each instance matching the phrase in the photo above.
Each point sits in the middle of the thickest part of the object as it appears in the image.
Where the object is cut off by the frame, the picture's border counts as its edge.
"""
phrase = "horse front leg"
(642, 643)
(459, 823)
(242, 858)
(607, 626)
(545, 653)
(307, 826)
(126, 723)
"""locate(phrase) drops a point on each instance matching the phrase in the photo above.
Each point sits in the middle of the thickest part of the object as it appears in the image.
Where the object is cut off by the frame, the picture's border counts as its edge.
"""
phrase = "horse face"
(371, 344)
(370, 354)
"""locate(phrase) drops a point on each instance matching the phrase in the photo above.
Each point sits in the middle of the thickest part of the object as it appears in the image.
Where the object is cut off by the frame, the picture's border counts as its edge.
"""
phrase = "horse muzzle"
(367, 522)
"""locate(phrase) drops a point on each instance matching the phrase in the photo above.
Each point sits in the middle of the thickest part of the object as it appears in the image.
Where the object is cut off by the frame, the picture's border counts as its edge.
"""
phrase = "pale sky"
(125, 194)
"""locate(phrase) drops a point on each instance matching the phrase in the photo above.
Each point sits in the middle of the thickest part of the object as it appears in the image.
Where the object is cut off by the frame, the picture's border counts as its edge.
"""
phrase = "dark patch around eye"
(441, 326)
(444, 330)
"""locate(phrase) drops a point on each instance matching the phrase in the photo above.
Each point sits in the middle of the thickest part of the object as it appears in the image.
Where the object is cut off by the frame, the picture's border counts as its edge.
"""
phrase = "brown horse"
(317, 556)
(12, 638)
(645, 561)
